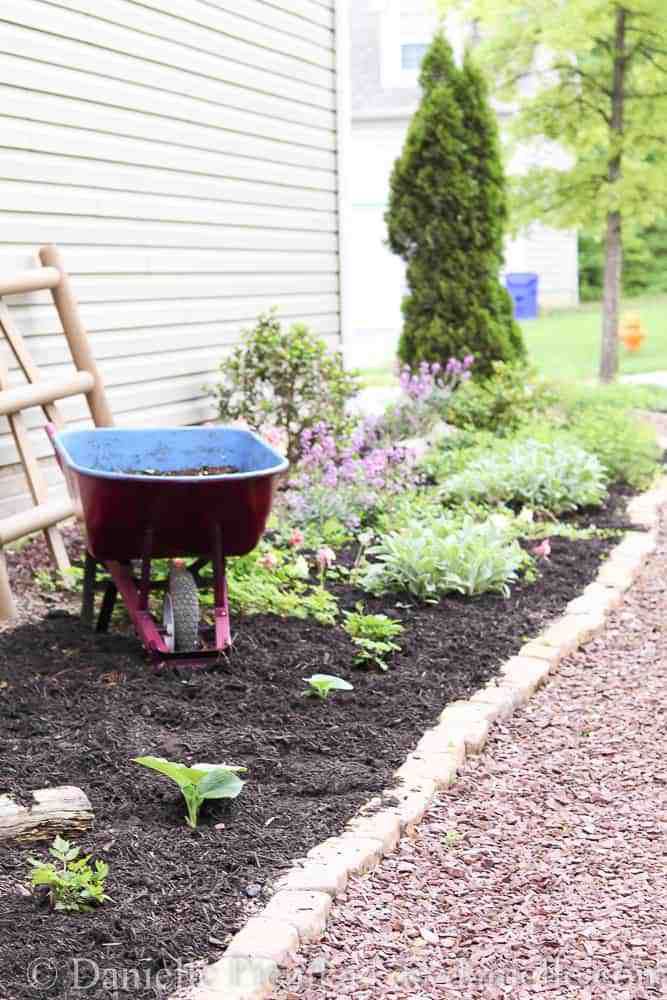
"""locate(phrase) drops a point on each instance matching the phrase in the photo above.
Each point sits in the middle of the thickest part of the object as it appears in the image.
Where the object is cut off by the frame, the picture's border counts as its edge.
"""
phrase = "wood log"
(61, 810)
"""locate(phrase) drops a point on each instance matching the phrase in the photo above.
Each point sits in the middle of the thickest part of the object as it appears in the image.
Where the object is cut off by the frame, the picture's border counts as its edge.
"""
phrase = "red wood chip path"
(543, 871)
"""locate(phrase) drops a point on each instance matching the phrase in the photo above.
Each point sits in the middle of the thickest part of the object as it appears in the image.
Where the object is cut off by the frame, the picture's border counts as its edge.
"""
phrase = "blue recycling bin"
(523, 290)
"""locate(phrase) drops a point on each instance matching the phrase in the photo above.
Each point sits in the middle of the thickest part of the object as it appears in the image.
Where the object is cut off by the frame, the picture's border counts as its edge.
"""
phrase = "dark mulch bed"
(77, 707)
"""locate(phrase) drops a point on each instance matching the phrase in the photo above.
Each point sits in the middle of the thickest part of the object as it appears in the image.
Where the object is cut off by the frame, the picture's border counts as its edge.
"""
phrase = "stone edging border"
(297, 913)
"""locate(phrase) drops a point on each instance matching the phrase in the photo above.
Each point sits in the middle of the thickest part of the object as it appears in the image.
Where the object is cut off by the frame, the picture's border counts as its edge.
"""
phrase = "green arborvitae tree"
(446, 219)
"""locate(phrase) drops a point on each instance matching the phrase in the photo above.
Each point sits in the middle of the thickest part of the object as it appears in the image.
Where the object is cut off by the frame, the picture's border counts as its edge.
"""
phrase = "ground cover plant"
(68, 882)
(373, 635)
(550, 477)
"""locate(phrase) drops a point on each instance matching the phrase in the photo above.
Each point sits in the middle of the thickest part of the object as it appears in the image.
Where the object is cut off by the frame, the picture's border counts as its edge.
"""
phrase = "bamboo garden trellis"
(45, 514)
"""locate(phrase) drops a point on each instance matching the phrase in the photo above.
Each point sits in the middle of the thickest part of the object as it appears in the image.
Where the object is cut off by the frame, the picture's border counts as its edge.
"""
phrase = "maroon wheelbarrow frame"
(135, 591)
(131, 519)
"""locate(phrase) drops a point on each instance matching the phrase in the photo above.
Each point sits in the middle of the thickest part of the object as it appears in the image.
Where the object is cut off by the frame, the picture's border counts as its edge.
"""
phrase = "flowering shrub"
(555, 477)
(425, 397)
(346, 480)
(430, 560)
(289, 380)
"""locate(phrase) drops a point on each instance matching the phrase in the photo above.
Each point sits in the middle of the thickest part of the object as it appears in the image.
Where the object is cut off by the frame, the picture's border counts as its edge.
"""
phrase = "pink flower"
(296, 538)
(269, 561)
(325, 558)
(543, 550)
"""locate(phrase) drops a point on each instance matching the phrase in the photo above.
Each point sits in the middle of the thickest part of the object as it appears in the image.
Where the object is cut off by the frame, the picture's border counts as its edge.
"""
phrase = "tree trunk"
(614, 240)
(611, 298)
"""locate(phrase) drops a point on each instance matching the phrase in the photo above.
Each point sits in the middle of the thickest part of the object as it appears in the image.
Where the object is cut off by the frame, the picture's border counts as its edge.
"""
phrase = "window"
(412, 55)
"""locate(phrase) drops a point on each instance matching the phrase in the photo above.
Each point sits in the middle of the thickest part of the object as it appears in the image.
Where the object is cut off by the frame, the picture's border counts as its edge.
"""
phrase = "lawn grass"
(564, 344)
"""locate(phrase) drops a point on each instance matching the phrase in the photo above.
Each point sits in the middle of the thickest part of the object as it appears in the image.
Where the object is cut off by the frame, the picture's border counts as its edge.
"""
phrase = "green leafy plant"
(626, 447)
(321, 685)
(373, 636)
(282, 589)
(70, 882)
(198, 783)
(502, 403)
(285, 379)
(555, 477)
(429, 560)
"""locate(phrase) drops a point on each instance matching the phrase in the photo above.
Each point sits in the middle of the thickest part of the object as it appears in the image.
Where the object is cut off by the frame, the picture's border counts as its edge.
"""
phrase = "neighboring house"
(184, 155)
(389, 39)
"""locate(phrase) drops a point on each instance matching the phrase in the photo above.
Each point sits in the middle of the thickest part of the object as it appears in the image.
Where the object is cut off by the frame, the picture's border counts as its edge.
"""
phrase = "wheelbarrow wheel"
(181, 611)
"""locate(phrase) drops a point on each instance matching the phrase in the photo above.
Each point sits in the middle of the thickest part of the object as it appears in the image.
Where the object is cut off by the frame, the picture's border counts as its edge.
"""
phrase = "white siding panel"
(159, 128)
(47, 138)
(174, 22)
(42, 16)
(264, 114)
(184, 158)
(243, 87)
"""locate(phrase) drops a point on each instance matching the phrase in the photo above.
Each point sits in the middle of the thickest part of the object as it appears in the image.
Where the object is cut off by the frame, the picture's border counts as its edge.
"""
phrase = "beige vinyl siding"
(183, 154)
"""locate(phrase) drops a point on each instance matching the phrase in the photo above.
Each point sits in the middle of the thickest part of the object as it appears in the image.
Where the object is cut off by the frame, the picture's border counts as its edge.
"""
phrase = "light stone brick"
(526, 674)
(443, 739)
(237, 977)
(538, 650)
(610, 594)
(615, 575)
(264, 938)
(474, 732)
(306, 911)
(414, 798)
(331, 878)
(358, 854)
(503, 700)
(384, 826)
(564, 634)
(440, 767)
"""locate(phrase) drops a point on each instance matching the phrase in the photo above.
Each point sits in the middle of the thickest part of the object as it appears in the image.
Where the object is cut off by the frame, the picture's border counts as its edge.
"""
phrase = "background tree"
(446, 218)
(590, 75)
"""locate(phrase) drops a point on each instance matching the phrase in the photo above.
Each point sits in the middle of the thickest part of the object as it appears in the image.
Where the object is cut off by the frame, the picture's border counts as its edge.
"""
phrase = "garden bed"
(75, 707)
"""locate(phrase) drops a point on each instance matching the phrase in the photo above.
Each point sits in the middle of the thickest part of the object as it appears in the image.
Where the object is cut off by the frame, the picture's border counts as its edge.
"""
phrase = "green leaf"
(220, 783)
(180, 773)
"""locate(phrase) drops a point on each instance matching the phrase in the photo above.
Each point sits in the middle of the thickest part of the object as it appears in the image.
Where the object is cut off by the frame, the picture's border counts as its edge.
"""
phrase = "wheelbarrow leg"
(108, 604)
(88, 600)
(223, 636)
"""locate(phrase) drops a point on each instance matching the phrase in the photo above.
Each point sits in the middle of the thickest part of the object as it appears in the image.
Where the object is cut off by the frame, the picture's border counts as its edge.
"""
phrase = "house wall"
(183, 156)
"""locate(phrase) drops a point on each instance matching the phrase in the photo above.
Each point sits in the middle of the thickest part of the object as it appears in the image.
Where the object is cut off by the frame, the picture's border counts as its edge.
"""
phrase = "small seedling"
(372, 635)
(74, 886)
(198, 783)
(321, 685)
(452, 838)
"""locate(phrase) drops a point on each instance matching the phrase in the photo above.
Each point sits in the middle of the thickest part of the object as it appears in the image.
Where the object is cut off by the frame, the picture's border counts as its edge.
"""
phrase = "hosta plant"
(554, 477)
(198, 783)
(321, 685)
(69, 882)
(373, 636)
(429, 560)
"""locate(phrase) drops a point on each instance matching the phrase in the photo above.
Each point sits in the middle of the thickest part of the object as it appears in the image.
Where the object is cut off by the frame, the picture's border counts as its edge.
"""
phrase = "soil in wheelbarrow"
(75, 708)
(201, 470)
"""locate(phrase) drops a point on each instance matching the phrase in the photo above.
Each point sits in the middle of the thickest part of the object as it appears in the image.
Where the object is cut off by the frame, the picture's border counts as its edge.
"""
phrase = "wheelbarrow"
(158, 493)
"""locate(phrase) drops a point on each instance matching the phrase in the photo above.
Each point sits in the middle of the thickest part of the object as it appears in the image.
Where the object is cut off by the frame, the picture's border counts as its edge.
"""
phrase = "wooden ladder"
(45, 514)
